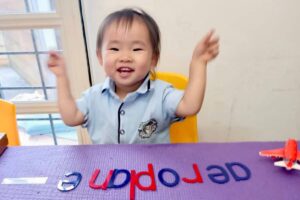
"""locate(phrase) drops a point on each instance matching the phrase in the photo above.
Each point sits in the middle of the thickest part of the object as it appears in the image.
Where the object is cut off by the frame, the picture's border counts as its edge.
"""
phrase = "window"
(26, 6)
(24, 74)
(28, 30)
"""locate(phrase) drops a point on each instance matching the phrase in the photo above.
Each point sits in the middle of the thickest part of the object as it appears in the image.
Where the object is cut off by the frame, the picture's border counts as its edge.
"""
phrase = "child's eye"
(114, 49)
(137, 49)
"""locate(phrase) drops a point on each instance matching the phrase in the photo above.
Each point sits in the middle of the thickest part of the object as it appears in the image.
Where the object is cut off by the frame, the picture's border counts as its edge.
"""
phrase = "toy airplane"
(289, 154)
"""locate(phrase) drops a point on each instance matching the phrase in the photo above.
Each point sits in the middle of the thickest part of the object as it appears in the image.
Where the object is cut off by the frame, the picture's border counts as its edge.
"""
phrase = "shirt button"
(122, 131)
(122, 112)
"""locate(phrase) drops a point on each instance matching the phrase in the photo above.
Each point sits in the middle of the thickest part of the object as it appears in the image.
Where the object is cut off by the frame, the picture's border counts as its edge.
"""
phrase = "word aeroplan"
(219, 176)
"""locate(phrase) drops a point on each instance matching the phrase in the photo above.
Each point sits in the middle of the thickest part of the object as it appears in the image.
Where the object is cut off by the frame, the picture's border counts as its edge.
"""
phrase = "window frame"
(67, 19)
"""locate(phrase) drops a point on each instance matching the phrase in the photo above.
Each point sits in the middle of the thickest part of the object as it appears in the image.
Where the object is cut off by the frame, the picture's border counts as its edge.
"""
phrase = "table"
(265, 181)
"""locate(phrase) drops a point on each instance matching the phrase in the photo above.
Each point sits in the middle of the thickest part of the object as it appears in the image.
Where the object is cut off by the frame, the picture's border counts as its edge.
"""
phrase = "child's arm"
(206, 50)
(66, 103)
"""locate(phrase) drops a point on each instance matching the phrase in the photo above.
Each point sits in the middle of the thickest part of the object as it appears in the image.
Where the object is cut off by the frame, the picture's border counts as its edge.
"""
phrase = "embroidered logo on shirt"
(147, 128)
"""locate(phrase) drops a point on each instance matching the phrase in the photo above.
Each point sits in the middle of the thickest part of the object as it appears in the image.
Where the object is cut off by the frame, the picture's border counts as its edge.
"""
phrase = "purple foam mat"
(266, 181)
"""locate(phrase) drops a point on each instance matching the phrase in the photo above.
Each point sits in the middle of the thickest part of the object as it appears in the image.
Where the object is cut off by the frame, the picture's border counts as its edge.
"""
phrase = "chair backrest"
(8, 122)
(184, 131)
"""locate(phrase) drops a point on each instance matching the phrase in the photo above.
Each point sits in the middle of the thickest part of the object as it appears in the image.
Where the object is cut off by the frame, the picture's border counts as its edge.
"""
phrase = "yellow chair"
(184, 131)
(8, 122)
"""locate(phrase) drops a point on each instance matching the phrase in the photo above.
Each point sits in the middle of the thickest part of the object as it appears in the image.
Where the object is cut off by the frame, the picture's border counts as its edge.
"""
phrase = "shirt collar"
(108, 85)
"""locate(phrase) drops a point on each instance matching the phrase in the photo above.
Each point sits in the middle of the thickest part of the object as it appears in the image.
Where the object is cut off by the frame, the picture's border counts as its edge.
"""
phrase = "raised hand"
(207, 49)
(56, 64)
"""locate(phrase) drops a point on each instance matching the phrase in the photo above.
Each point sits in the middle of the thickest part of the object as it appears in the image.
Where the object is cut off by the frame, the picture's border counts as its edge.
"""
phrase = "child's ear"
(99, 56)
(154, 61)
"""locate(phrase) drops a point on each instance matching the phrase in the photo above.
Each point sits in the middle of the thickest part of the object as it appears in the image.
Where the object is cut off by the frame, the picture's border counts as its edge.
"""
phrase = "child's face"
(127, 54)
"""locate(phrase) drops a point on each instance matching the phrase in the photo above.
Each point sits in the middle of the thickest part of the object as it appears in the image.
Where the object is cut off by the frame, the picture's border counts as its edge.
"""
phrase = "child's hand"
(207, 49)
(56, 64)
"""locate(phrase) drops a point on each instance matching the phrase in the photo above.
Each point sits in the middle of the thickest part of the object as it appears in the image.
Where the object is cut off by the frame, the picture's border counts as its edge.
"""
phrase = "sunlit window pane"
(16, 40)
(18, 95)
(49, 77)
(47, 39)
(24, 75)
(26, 6)
(23, 95)
(36, 129)
(22, 70)
(29, 40)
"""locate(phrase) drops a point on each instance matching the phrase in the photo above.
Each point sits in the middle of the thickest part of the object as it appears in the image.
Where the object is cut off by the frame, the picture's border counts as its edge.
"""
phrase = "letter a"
(235, 175)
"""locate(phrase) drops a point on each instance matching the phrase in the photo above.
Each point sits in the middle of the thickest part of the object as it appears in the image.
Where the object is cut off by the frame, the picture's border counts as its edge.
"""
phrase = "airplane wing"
(280, 164)
(278, 153)
(296, 166)
(283, 164)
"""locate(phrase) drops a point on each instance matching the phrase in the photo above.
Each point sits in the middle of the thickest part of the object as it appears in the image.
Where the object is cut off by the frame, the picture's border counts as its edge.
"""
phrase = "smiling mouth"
(125, 70)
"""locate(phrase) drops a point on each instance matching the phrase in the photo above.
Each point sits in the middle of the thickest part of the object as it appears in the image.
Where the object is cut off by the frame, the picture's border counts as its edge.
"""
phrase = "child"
(129, 107)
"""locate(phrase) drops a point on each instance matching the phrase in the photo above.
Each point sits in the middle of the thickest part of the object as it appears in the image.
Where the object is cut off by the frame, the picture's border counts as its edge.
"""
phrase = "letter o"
(162, 180)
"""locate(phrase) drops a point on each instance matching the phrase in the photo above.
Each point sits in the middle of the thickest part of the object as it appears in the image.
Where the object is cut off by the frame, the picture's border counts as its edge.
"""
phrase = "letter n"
(102, 186)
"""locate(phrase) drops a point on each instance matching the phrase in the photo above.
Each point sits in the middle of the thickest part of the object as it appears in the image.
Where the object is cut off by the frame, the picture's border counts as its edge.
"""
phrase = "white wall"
(253, 90)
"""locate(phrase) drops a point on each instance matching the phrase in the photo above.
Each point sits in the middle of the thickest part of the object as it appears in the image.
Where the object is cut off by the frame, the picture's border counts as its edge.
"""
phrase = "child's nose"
(126, 57)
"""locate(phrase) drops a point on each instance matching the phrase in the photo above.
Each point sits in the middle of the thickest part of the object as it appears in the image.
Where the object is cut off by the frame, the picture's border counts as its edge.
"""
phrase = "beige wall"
(253, 91)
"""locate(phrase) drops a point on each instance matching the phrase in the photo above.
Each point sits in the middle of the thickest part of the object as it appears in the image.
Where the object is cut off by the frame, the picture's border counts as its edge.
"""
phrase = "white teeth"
(124, 69)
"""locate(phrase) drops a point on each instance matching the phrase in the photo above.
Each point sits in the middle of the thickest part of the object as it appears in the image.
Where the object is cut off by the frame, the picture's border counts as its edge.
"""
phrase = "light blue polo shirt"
(144, 116)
